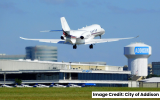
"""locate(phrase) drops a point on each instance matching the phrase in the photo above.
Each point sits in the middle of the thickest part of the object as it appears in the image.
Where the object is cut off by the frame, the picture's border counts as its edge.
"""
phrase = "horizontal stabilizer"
(51, 30)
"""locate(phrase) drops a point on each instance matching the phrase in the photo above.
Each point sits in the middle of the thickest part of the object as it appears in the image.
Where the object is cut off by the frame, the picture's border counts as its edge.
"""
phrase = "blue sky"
(119, 18)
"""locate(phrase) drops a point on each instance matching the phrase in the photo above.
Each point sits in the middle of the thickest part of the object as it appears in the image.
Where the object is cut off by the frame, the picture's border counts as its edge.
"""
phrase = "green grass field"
(84, 93)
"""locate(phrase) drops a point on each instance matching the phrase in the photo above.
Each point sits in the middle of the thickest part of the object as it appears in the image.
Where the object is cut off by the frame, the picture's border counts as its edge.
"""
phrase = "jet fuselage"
(88, 32)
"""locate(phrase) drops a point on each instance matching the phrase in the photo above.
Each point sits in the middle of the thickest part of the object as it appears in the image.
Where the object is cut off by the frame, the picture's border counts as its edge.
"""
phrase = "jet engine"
(63, 37)
(85, 35)
(82, 37)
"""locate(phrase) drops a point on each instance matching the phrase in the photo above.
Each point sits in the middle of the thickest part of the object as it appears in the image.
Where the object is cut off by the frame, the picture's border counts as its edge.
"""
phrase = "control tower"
(137, 54)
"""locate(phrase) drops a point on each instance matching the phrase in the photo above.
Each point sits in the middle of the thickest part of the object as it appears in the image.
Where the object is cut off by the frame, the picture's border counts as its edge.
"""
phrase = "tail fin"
(64, 24)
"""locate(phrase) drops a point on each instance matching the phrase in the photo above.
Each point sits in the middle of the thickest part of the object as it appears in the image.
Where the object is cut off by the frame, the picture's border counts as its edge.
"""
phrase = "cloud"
(68, 3)
(119, 10)
(11, 8)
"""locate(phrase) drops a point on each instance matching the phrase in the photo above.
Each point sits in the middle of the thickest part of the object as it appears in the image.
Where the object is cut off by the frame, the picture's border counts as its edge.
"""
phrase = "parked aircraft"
(22, 85)
(73, 85)
(4, 85)
(57, 85)
(84, 35)
(40, 85)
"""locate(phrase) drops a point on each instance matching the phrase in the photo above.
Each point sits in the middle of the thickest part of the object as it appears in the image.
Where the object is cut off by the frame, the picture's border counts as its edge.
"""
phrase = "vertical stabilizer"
(64, 24)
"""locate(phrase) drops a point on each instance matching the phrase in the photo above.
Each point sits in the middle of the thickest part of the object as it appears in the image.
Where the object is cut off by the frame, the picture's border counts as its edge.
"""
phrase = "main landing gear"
(75, 46)
(91, 46)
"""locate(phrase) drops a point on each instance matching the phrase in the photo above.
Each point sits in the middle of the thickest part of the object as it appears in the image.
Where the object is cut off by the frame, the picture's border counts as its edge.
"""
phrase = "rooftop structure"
(150, 82)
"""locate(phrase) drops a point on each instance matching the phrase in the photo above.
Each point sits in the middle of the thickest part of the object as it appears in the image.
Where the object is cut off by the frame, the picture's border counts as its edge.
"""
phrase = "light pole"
(4, 78)
(70, 78)
(39, 58)
(70, 65)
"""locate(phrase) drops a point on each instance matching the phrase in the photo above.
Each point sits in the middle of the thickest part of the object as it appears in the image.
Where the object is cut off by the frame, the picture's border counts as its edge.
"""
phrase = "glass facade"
(112, 85)
(156, 68)
(94, 76)
(149, 70)
(31, 76)
(74, 76)
(97, 76)
(42, 53)
(60, 75)
(102, 76)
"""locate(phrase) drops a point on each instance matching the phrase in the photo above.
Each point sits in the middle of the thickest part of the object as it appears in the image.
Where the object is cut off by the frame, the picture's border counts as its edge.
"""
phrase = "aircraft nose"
(102, 29)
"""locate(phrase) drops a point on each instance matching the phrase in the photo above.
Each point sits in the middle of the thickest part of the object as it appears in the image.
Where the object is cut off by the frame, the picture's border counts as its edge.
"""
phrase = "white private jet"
(57, 85)
(4, 85)
(73, 85)
(22, 85)
(84, 35)
(40, 85)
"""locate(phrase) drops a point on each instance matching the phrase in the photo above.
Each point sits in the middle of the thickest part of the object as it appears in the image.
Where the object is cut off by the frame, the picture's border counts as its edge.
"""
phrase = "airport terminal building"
(46, 72)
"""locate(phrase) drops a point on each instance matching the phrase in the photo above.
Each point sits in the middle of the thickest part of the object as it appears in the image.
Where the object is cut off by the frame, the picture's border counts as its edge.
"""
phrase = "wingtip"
(21, 37)
(42, 31)
(137, 36)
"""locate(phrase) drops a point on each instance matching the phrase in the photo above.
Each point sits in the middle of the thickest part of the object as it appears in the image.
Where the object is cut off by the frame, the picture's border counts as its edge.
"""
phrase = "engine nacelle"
(85, 35)
(62, 37)
(82, 37)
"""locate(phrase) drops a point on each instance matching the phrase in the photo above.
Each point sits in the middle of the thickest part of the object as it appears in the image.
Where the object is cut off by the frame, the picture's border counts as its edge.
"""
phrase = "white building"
(150, 82)
(60, 72)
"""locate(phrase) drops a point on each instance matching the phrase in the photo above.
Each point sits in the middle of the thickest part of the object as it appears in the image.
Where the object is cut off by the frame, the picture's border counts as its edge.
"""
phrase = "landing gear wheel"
(75, 46)
(91, 46)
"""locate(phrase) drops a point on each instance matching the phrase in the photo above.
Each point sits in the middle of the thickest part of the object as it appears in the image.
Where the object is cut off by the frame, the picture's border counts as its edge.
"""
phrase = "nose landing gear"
(100, 36)
(75, 46)
(91, 46)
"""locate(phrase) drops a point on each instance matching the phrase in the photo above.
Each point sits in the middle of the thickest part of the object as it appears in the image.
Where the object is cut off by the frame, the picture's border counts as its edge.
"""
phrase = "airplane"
(4, 85)
(73, 85)
(84, 35)
(57, 85)
(40, 85)
(22, 85)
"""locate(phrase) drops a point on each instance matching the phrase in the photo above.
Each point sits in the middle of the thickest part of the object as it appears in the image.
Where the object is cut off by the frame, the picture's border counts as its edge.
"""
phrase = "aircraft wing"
(51, 31)
(94, 41)
(59, 41)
